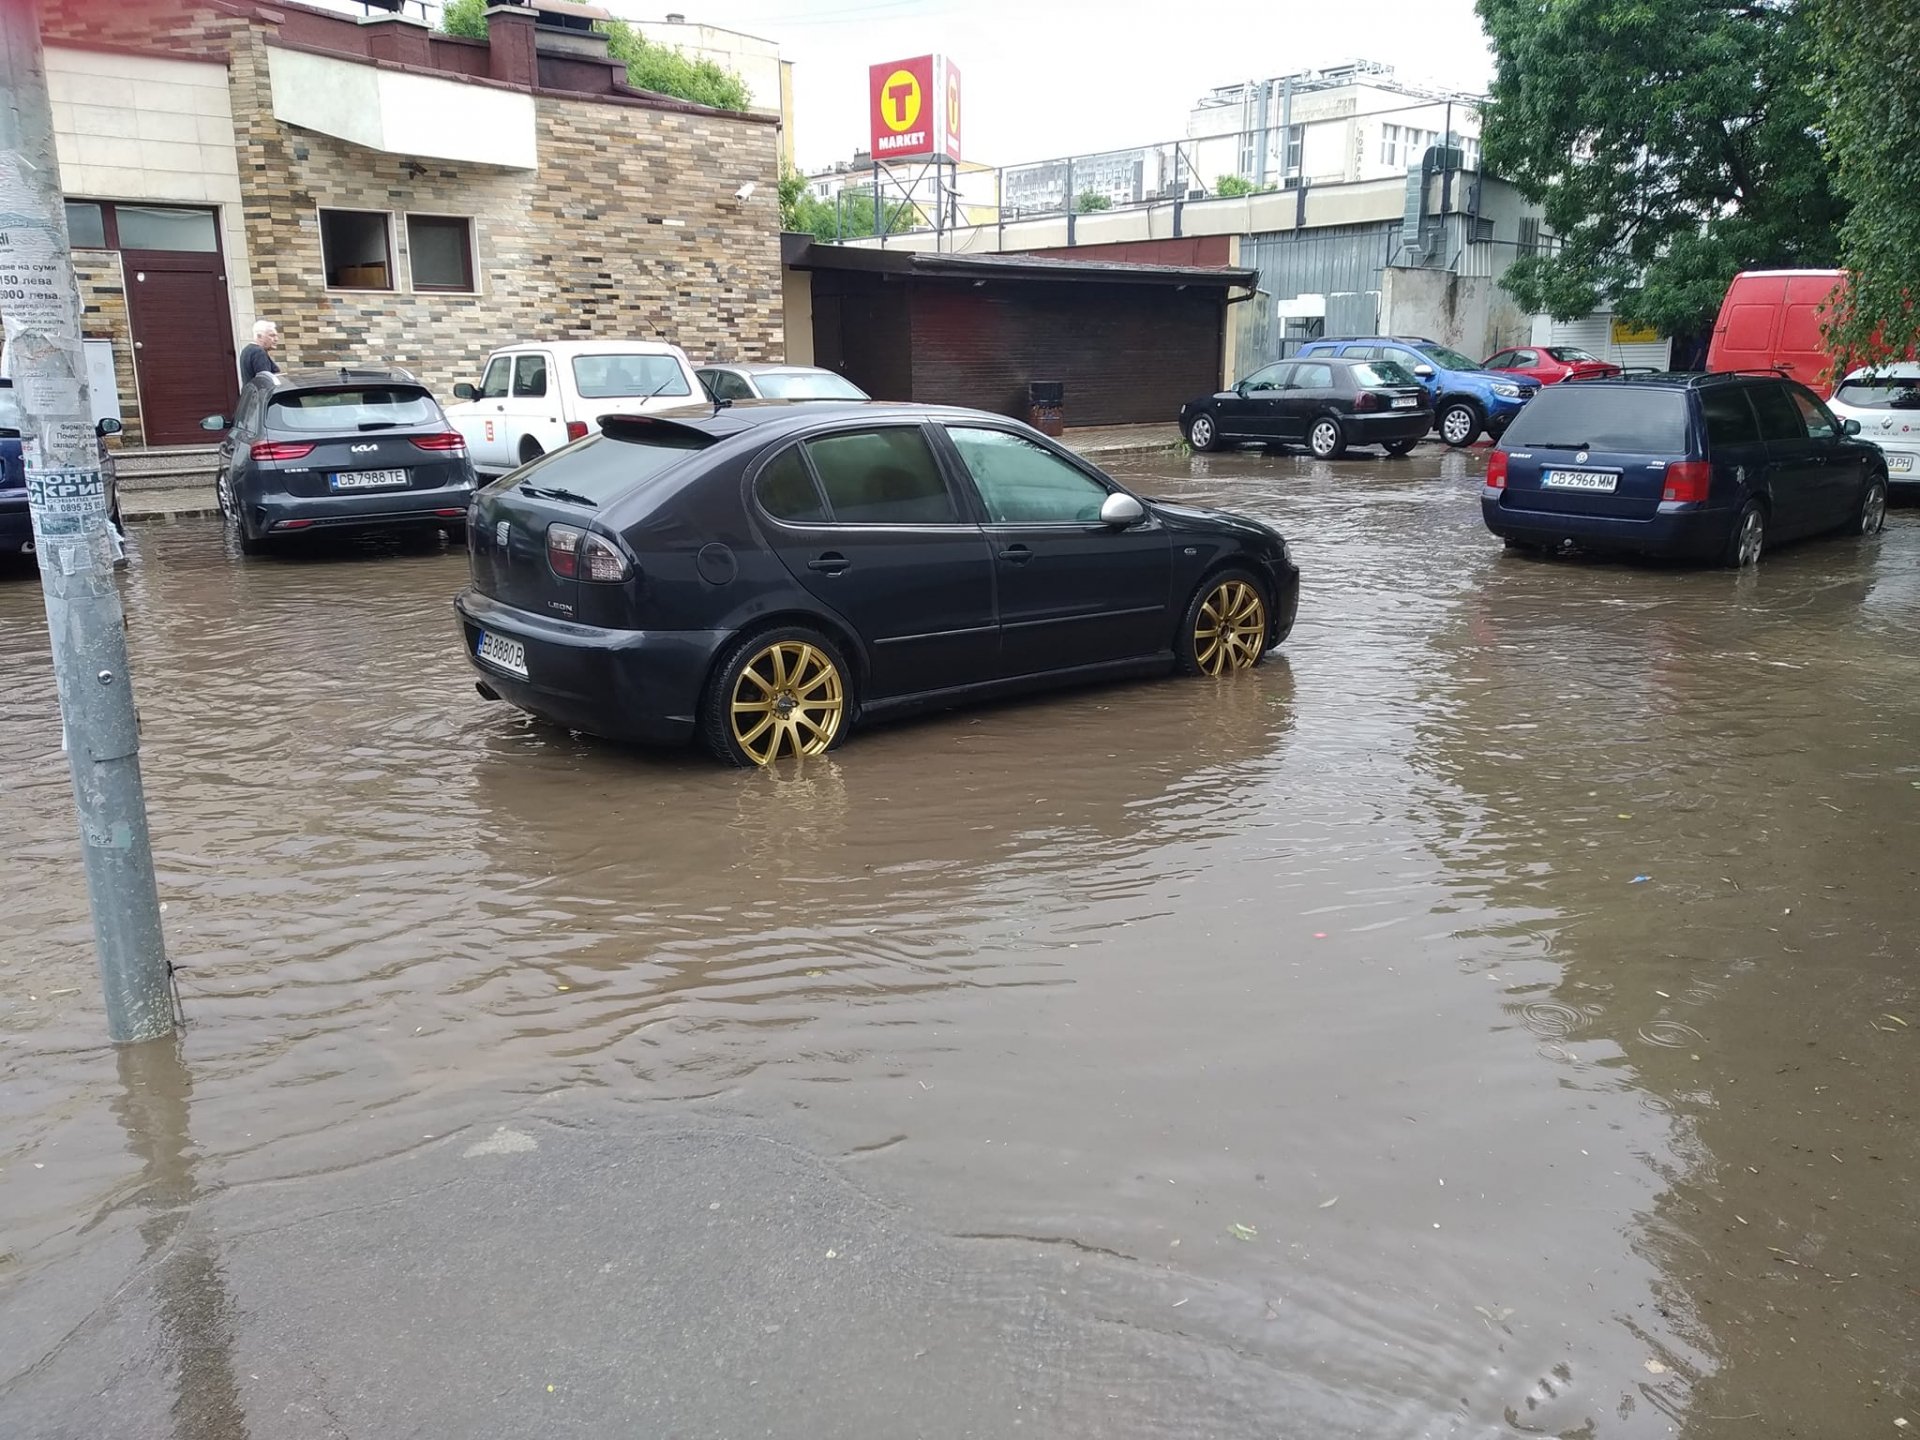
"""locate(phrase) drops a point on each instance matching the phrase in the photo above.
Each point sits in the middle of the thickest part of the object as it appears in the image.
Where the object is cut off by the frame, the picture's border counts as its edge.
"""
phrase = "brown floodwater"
(1498, 1014)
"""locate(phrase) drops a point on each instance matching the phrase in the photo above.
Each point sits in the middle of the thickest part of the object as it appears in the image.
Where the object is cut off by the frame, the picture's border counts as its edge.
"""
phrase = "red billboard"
(905, 108)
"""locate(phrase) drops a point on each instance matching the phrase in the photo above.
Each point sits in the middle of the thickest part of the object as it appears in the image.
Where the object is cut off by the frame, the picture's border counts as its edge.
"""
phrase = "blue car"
(1706, 467)
(1466, 399)
(16, 527)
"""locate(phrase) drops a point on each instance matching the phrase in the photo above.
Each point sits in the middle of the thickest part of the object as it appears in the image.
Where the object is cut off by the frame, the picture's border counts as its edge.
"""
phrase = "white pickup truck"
(536, 397)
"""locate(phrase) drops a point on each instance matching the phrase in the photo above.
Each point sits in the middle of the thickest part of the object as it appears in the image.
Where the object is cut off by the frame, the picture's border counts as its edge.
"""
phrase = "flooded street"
(1495, 1015)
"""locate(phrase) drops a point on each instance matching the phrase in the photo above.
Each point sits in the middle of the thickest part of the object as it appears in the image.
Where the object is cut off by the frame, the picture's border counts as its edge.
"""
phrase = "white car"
(542, 395)
(1885, 399)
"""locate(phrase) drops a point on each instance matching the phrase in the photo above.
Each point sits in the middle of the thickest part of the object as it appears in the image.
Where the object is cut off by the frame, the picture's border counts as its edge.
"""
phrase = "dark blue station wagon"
(1707, 467)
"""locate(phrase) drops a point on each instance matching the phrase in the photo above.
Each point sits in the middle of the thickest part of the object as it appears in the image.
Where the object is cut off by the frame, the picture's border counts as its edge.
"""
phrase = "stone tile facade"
(103, 316)
(629, 227)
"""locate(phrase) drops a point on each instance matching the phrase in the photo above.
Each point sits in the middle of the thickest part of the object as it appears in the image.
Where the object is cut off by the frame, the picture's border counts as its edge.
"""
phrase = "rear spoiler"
(637, 429)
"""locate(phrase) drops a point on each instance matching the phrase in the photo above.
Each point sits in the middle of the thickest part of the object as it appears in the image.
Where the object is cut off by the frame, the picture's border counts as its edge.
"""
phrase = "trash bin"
(1045, 400)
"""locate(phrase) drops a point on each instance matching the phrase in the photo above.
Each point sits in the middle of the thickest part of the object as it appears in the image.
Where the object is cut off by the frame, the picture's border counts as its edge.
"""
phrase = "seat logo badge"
(365, 449)
(502, 534)
(1581, 458)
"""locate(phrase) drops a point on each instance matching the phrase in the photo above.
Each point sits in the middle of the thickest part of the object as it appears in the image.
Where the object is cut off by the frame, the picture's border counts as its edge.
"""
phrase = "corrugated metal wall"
(1341, 262)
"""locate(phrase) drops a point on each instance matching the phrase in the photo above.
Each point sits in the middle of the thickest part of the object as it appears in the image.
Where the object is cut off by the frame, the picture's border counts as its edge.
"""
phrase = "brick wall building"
(386, 193)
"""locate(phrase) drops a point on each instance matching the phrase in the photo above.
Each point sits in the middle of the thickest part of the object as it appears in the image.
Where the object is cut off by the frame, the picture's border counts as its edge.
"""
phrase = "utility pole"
(40, 301)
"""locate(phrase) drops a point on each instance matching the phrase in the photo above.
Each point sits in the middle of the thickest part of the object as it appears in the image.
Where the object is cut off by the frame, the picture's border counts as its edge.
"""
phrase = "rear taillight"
(445, 440)
(576, 554)
(281, 450)
(576, 429)
(1688, 481)
(1366, 400)
(1497, 470)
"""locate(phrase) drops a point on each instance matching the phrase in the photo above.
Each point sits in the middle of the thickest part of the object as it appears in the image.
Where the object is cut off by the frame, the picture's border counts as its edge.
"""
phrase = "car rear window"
(603, 468)
(1639, 419)
(1881, 392)
(1568, 354)
(628, 377)
(807, 385)
(1383, 372)
(349, 408)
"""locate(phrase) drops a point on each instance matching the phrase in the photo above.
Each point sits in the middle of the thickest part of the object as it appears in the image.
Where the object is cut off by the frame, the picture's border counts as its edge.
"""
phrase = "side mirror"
(1423, 372)
(1852, 427)
(108, 426)
(215, 424)
(464, 391)
(1121, 511)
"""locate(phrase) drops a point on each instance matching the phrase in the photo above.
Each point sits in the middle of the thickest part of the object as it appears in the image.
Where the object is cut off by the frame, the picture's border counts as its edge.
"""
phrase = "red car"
(1550, 364)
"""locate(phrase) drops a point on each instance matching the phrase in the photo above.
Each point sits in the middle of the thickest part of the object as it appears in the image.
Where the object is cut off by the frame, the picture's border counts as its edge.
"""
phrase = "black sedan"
(1325, 404)
(364, 448)
(767, 575)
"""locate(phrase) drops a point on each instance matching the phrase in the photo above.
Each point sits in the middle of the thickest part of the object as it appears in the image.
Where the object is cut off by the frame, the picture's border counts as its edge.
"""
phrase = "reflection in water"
(1324, 993)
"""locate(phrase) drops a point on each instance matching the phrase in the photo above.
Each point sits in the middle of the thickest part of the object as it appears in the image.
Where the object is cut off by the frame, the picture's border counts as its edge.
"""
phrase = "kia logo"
(365, 449)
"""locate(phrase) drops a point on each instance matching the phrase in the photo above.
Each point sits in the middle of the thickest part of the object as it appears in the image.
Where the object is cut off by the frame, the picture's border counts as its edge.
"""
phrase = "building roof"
(809, 254)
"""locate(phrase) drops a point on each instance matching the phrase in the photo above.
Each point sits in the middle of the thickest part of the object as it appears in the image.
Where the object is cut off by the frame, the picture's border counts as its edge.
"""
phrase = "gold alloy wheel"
(1230, 629)
(788, 700)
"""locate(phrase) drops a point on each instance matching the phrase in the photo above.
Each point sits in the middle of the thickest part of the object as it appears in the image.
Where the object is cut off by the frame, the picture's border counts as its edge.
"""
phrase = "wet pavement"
(1496, 1015)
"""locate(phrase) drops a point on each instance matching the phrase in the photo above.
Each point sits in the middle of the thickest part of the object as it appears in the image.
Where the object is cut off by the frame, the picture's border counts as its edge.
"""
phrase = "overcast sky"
(1055, 77)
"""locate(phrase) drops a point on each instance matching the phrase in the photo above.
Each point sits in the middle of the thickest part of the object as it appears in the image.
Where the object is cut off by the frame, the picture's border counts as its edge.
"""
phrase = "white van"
(536, 397)
(1885, 399)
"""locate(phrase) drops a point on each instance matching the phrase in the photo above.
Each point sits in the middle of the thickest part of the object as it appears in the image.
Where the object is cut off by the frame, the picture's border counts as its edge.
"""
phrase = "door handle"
(1016, 554)
(831, 563)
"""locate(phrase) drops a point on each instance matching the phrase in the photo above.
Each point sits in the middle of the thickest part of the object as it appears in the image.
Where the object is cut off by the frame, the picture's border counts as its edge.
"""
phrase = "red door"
(182, 343)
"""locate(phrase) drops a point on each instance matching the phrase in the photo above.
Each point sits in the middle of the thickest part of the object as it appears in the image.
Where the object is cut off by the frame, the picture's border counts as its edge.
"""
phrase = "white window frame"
(393, 254)
(473, 252)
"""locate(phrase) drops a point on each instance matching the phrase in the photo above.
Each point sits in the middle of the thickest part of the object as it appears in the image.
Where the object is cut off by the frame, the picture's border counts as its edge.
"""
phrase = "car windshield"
(807, 385)
(604, 467)
(1568, 354)
(1383, 372)
(1447, 359)
(351, 408)
(628, 377)
(1591, 416)
(1880, 392)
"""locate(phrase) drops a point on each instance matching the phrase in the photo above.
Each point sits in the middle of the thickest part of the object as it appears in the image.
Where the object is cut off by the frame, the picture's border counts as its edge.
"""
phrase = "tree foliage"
(1870, 58)
(1089, 201)
(660, 68)
(1230, 187)
(846, 217)
(1671, 143)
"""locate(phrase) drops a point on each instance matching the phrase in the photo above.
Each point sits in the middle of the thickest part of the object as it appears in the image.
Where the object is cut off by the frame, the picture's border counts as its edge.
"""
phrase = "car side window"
(1312, 377)
(731, 386)
(1271, 377)
(1505, 360)
(1729, 416)
(1360, 352)
(1819, 420)
(1022, 484)
(1779, 416)
(1526, 359)
(530, 376)
(882, 477)
(494, 387)
(786, 491)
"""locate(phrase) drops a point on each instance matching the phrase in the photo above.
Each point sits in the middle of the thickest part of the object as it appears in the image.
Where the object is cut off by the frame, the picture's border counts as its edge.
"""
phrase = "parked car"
(1885, 401)
(16, 520)
(1326, 404)
(1698, 466)
(353, 449)
(1772, 319)
(1550, 364)
(777, 382)
(1466, 399)
(535, 398)
(768, 576)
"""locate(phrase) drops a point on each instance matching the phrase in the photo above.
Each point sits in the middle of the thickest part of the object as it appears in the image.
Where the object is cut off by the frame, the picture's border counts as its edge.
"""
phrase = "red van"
(1773, 318)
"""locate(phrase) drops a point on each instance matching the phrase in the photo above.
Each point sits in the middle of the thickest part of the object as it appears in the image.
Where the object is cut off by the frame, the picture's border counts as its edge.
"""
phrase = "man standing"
(258, 356)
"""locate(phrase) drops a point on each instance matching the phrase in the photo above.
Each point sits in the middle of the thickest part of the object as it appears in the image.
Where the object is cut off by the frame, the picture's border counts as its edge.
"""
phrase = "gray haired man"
(258, 356)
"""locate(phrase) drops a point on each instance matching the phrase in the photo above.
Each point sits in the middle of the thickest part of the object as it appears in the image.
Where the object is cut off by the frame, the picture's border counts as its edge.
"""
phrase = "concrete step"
(165, 469)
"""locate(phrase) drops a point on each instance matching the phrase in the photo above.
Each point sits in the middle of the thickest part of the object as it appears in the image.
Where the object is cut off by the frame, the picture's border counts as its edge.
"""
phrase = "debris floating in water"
(1639, 879)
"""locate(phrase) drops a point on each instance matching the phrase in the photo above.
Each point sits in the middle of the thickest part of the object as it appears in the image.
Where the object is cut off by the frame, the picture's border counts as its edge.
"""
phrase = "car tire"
(1326, 438)
(1871, 518)
(456, 535)
(1459, 423)
(742, 720)
(1397, 448)
(1203, 433)
(1226, 625)
(1748, 538)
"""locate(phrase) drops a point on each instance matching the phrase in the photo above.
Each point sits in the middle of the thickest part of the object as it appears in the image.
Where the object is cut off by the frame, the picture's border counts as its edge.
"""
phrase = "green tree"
(1231, 187)
(846, 217)
(1867, 50)
(1671, 143)
(660, 68)
(1089, 201)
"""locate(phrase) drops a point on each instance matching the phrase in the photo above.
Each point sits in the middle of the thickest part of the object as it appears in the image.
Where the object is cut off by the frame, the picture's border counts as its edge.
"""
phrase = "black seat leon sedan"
(767, 576)
(354, 449)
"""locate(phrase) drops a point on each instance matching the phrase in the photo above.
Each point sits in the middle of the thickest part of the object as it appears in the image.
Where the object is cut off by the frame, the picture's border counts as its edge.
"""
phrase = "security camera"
(745, 192)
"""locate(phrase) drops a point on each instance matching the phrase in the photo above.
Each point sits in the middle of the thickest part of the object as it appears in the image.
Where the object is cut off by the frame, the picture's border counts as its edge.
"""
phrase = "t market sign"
(914, 109)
